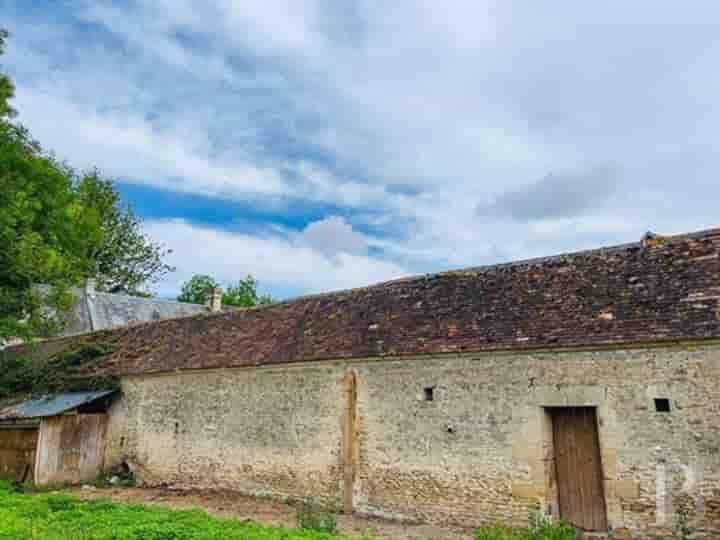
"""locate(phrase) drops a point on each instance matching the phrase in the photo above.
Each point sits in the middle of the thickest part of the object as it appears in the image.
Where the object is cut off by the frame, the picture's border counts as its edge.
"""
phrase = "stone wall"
(479, 451)
(255, 431)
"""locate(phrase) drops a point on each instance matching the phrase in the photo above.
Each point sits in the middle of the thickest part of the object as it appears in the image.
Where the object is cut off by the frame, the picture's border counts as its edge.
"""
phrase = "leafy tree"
(197, 290)
(125, 259)
(43, 236)
(7, 90)
(57, 228)
(43, 232)
(244, 293)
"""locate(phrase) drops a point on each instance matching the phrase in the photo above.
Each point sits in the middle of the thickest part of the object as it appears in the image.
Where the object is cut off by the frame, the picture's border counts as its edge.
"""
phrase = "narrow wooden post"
(350, 442)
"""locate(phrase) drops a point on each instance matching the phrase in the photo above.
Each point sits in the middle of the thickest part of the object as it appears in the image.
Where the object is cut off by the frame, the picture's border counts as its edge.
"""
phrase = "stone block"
(527, 491)
(628, 490)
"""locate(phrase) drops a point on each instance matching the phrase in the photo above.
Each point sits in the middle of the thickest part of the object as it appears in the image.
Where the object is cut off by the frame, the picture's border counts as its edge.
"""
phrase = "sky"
(327, 144)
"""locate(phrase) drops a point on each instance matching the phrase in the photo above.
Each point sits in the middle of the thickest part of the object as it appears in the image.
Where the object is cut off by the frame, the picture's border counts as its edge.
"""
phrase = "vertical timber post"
(350, 442)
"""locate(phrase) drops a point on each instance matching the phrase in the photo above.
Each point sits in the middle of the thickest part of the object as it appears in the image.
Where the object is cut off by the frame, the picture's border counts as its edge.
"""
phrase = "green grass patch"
(545, 531)
(57, 516)
(53, 516)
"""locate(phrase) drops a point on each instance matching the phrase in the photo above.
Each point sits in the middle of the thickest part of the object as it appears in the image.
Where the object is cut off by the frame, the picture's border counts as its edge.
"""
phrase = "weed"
(541, 527)
(685, 514)
(314, 518)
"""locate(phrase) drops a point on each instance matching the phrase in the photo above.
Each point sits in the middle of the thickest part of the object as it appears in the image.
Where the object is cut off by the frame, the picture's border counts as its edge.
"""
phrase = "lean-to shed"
(54, 439)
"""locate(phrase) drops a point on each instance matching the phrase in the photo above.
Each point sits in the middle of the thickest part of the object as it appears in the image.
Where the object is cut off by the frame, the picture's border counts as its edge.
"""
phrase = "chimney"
(216, 299)
(90, 284)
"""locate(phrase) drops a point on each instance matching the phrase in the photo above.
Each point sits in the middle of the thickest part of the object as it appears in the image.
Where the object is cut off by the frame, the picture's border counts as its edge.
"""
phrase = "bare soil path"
(264, 511)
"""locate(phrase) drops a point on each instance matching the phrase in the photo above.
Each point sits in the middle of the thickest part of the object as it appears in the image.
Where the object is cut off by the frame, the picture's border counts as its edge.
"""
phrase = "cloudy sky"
(324, 144)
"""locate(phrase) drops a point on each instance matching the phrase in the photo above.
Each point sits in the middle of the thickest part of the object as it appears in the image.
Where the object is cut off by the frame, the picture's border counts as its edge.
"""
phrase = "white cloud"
(278, 260)
(133, 149)
(408, 132)
(332, 236)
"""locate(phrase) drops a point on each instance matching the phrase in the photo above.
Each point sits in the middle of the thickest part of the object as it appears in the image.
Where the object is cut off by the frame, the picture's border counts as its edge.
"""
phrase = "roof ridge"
(148, 300)
(669, 239)
(483, 268)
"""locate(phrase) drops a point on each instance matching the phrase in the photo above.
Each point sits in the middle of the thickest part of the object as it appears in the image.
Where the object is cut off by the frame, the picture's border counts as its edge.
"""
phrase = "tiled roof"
(663, 289)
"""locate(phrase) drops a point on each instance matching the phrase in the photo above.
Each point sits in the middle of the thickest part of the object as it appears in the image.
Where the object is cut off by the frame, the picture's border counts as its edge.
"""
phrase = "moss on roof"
(45, 368)
(650, 292)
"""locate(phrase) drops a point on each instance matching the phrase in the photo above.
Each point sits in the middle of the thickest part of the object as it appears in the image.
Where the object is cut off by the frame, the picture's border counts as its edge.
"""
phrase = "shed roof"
(51, 405)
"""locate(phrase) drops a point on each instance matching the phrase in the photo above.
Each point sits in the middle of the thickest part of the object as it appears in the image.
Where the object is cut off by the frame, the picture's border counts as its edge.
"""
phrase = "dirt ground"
(267, 512)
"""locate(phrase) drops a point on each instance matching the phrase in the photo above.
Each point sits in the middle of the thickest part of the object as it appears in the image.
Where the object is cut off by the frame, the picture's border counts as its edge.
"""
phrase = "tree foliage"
(57, 228)
(125, 260)
(43, 234)
(197, 290)
(7, 90)
(244, 293)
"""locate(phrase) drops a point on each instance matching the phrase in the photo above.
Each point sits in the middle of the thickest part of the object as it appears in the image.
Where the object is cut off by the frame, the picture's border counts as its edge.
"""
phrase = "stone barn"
(583, 386)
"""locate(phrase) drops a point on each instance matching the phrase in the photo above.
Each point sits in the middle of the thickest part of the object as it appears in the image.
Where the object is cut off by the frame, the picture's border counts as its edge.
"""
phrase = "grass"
(54, 516)
(555, 531)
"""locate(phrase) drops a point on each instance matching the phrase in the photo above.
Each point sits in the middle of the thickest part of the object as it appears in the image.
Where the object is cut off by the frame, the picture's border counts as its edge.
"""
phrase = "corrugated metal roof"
(51, 405)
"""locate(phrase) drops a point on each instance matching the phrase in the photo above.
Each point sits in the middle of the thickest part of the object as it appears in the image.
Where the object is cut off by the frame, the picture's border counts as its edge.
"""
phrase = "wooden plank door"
(17, 453)
(71, 449)
(578, 468)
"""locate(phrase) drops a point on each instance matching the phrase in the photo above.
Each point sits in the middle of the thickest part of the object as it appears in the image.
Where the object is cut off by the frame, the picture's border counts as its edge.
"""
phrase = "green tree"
(43, 236)
(244, 293)
(125, 260)
(57, 228)
(43, 232)
(197, 289)
(7, 90)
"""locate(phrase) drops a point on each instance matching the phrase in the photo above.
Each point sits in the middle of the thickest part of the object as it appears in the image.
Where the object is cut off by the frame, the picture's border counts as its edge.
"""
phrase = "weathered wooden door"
(70, 449)
(578, 467)
(17, 453)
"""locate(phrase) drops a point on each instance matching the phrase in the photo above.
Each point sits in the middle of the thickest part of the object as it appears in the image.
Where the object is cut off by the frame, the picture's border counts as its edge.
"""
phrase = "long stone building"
(584, 386)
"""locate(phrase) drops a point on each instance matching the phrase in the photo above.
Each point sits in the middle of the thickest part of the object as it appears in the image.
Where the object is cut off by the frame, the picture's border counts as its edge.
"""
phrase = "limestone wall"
(255, 431)
(479, 451)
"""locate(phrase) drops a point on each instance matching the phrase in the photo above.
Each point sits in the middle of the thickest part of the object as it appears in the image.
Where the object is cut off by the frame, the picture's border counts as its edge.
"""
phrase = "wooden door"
(70, 449)
(578, 468)
(17, 453)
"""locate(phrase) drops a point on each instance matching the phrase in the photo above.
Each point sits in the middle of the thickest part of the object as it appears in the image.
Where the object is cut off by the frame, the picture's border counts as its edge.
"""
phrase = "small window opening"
(122, 442)
(662, 405)
(429, 393)
(177, 428)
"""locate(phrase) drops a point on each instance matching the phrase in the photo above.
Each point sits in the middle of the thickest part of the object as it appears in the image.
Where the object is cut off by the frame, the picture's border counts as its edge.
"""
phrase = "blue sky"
(325, 144)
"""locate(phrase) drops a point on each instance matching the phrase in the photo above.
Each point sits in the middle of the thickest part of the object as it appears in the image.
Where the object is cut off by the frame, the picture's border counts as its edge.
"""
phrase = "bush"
(313, 518)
